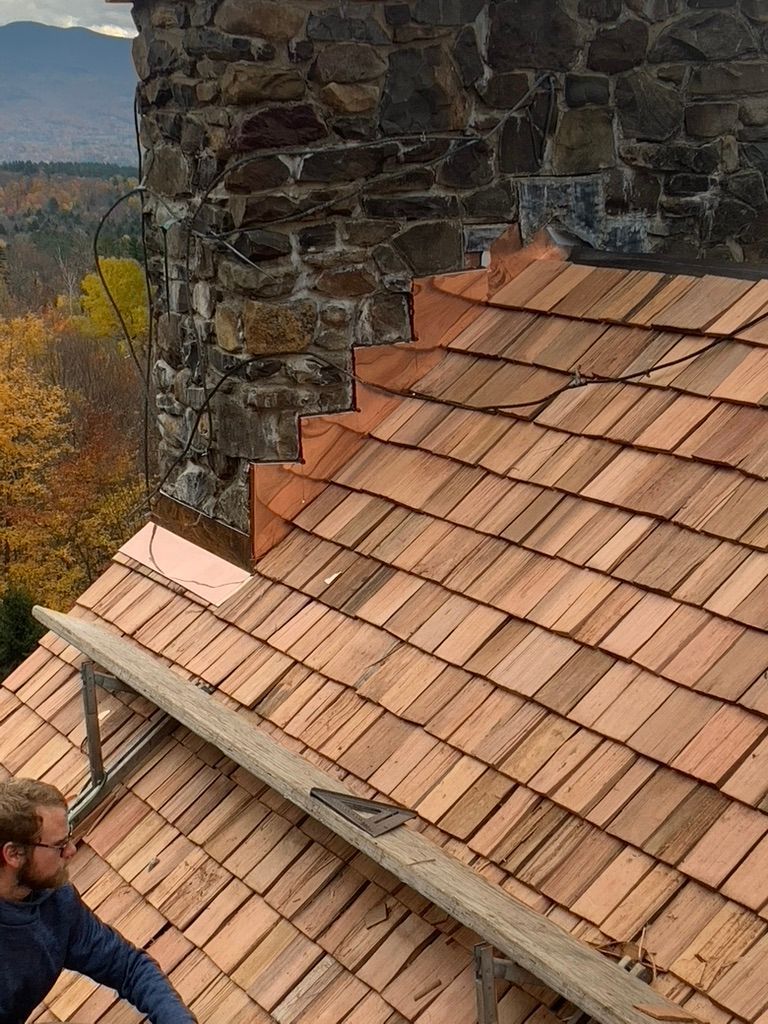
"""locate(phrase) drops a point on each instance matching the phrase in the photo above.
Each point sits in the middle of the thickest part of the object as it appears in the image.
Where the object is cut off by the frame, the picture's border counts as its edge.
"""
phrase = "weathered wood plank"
(561, 962)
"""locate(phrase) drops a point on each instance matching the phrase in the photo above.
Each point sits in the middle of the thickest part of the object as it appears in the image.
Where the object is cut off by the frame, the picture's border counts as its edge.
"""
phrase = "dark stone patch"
(755, 9)
(533, 33)
(431, 247)
(420, 33)
(729, 79)
(349, 62)
(710, 120)
(584, 142)
(469, 166)
(411, 207)
(412, 179)
(300, 51)
(600, 10)
(447, 12)
(619, 49)
(673, 156)
(496, 202)
(687, 184)
(586, 90)
(353, 162)
(355, 129)
(704, 36)
(731, 219)
(519, 149)
(317, 238)
(366, 232)
(388, 318)
(258, 244)
(628, 192)
(756, 155)
(754, 134)
(332, 27)
(258, 175)
(467, 55)
(397, 14)
(646, 108)
(748, 186)
(424, 152)
(505, 89)
(206, 42)
(421, 93)
(343, 284)
(275, 127)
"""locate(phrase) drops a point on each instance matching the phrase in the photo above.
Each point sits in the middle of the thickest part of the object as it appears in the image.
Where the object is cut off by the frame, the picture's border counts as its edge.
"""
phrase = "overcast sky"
(114, 19)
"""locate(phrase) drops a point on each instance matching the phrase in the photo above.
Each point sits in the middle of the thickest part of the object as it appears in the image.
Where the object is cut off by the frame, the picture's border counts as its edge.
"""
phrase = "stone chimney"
(307, 159)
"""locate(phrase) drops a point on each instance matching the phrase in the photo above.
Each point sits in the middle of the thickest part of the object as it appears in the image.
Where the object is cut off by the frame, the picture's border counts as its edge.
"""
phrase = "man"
(44, 925)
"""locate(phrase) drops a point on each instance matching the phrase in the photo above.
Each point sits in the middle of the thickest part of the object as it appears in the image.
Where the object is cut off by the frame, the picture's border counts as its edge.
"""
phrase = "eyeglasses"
(61, 846)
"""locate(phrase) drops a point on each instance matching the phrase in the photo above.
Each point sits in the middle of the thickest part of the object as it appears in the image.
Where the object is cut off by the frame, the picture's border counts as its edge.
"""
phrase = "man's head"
(34, 837)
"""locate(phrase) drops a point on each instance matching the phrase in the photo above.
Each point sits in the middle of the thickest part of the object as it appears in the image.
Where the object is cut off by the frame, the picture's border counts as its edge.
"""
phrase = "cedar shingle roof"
(538, 619)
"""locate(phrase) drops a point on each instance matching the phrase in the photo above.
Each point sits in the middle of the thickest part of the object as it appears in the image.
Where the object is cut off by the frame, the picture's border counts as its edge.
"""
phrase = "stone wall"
(307, 158)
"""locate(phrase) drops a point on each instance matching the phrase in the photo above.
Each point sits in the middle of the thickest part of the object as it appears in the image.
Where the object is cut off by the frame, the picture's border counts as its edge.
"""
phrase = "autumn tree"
(125, 280)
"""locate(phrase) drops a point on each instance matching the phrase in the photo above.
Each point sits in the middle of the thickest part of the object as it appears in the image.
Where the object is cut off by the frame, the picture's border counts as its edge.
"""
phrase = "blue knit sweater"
(53, 930)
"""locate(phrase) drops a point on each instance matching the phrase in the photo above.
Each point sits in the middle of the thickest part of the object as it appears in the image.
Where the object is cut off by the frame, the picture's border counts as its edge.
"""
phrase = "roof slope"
(543, 627)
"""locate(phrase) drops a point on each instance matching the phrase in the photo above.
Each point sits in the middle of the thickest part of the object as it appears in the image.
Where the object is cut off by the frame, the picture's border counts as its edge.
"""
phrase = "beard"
(36, 881)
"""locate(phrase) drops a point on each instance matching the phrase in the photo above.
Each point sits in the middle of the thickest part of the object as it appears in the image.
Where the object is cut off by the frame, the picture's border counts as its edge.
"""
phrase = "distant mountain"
(65, 94)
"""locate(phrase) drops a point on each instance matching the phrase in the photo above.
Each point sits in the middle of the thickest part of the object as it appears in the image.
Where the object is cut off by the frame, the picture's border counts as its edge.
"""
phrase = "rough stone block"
(519, 150)
(346, 284)
(387, 318)
(349, 63)
(647, 109)
(494, 203)
(411, 207)
(431, 248)
(754, 112)
(447, 12)
(227, 327)
(276, 127)
(748, 186)
(705, 36)
(169, 173)
(687, 184)
(586, 90)
(584, 142)
(422, 93)
(600, 10)
(350, 99)
(710, 120)
(244, 83)
(331, 26)
(270, 19)
(467, 55)
(505, 89)
(258, 175)
(268, 328)
(348, 164)
(533, 34)
(673, 156)
(469, 166)
(755, 9)
(619, 49)
(729, 79)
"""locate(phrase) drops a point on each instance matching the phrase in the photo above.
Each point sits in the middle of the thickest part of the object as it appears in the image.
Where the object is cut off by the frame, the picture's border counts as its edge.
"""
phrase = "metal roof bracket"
(369, 815)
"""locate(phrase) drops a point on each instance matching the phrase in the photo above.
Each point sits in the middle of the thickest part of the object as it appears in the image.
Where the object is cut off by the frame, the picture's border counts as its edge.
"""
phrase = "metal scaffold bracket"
(102, 779)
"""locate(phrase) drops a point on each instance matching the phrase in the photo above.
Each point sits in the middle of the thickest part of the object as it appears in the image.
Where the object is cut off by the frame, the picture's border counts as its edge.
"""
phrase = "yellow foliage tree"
(33, 441)
(126, 282)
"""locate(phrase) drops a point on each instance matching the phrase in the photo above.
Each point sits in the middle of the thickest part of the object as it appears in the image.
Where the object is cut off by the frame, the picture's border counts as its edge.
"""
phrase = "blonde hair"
(19, 802)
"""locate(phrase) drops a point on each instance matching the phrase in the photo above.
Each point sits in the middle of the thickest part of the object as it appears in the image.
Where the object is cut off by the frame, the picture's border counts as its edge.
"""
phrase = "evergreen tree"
(19, 632)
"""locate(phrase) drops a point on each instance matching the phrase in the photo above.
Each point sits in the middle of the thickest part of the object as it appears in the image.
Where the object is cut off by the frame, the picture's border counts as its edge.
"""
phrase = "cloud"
(115, 21)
